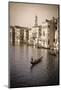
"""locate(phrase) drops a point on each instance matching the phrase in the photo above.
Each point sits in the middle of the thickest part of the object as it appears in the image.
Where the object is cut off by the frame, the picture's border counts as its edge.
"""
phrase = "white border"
(4, 43)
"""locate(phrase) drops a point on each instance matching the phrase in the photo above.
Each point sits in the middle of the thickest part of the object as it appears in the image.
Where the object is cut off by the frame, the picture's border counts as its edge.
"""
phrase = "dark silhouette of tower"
(36, 21)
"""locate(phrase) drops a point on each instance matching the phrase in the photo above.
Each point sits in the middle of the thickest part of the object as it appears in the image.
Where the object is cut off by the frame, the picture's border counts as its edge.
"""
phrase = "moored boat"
(53, 52)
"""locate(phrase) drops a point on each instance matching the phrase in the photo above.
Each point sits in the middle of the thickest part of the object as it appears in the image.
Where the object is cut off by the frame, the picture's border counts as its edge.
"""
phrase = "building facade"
(44, 35)
(34, 33)
(19, 35)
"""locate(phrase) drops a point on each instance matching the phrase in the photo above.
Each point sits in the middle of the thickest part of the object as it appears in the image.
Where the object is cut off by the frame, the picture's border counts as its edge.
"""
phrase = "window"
(43, 33)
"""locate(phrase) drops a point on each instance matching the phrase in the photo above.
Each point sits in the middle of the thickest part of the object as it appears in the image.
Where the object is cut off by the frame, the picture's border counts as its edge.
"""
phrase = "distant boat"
(33, 62)
(53, 52)
(38, 46)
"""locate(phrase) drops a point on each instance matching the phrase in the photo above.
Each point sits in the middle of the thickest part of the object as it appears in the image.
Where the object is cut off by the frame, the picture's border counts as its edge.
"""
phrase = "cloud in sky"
(23, 14)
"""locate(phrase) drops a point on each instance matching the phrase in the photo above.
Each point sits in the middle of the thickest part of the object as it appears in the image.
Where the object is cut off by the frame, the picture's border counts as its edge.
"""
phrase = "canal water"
(22, 73)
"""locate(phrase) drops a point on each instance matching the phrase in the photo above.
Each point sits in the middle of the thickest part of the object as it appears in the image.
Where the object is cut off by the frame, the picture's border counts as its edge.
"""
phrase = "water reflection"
(24, 74)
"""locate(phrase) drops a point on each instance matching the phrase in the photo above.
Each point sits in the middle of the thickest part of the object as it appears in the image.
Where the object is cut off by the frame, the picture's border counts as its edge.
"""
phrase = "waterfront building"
(52, 24)
(34, 33)
(19, 35)
(57, 36)
(44, 35)
(12, 35)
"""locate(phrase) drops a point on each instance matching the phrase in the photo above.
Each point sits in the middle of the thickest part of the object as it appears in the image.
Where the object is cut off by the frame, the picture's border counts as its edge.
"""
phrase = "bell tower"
(36, 21)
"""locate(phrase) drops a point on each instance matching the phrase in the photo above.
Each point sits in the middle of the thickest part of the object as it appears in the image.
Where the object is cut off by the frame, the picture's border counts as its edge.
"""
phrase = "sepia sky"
(23, 14)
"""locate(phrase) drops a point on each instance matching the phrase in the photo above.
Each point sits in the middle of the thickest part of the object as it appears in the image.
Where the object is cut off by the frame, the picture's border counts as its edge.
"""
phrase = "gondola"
(33, 62)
